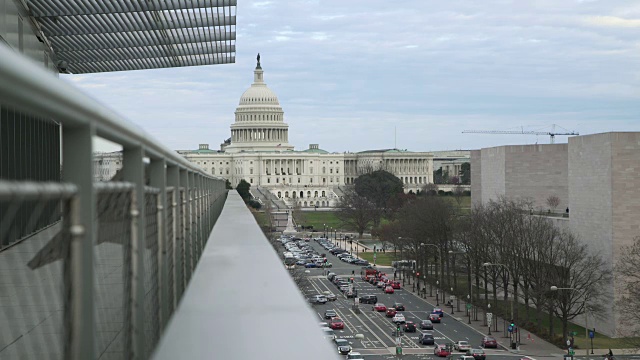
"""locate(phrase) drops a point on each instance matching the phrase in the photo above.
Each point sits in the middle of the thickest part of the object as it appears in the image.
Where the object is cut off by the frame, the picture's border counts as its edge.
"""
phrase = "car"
(379, 307)
(426, 338)
(395, 284)
(391, 312)
(355, 356)
(361, 262)
(373, 280)
(301, 262)
(389, 290)
(324, 325)
(478, 354)
(318, 299)
(435, 318)
(410, 326)
(310, 265)
(329, 334)
(398, 319)
(426, 325)
(328, 314)
(351, 294)
(489, 342)
(398, 306)
(380, 284)
(462, 345)
(438, 311)
(331, 297)
(336, 323)
(343, 346)
(368, 299)
(331, 275)
(441, 350)
(464, 357)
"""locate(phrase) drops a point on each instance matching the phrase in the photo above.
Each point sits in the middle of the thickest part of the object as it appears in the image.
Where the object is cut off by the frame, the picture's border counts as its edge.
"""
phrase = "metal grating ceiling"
(90, 36)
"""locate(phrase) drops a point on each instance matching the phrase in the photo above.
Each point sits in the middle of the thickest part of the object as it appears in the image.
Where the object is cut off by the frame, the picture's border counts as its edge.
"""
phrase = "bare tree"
(458, 193)
(356, 211)
(629, 303)
(430, 189)
(553, 202)
(585, 273)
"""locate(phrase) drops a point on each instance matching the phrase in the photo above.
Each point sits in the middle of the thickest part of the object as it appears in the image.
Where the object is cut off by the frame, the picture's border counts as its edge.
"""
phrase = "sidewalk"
(531, 345)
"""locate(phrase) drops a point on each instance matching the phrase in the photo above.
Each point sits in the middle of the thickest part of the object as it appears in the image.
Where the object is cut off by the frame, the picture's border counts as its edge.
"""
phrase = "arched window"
(308, 194)
(286, 194)
(323, 194)
(213, 170)
(279, 194)
(305, 204)
(301, 194)
(323, 204)
(317, 203)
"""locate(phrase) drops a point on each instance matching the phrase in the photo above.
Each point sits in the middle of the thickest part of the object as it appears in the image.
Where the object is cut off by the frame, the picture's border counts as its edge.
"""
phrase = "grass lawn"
(261, 218)
(383, 259)
(318, 219)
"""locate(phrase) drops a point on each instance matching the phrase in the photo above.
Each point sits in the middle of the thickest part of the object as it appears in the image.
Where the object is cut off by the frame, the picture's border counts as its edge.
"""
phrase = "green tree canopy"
(243, 189)
(379, 187)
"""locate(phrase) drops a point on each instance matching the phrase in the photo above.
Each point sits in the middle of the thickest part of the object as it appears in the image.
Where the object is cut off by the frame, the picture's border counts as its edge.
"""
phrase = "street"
(377, 339)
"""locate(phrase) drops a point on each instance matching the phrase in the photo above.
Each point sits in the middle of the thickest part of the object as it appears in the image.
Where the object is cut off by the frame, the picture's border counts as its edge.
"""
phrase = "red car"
(379, 307)
(395, 285)
(388, 290)
(435, 318)
(441, 350)
(489, 342)
(391, 312)
(336, 323)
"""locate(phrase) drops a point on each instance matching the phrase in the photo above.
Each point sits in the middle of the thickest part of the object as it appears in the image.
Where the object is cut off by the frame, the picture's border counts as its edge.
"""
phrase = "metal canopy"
(91, 36)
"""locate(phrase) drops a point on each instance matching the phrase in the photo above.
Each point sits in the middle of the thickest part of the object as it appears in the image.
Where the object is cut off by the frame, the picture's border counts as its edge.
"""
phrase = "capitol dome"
(259, 123)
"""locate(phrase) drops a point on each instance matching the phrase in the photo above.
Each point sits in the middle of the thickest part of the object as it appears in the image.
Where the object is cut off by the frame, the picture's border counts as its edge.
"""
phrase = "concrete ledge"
(241, 303)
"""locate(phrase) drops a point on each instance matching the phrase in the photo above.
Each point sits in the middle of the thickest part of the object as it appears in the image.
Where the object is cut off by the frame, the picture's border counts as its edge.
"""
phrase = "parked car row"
(342, 254)
(344, 284)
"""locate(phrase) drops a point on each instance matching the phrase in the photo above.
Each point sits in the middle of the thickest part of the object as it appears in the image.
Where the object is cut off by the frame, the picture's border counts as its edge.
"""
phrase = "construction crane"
(552, 134)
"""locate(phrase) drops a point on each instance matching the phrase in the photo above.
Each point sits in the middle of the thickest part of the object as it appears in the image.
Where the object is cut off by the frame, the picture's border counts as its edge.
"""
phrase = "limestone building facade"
(259, 152)
(596, 176)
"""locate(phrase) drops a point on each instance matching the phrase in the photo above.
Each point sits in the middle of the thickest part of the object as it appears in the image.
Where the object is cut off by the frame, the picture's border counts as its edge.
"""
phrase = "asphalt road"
(377, 329)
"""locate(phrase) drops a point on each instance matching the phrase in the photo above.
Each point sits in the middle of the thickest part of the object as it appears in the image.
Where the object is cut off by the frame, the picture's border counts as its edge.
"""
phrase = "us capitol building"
(259, 152)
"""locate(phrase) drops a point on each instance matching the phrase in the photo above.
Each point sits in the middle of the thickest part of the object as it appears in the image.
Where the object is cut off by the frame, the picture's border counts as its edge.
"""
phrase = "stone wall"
(492, 175)
(536, 172)
(476, 178)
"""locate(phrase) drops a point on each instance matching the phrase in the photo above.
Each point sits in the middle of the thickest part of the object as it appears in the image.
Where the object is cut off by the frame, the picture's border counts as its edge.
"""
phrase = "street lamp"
(485, 315)
(437, 293)
(325, 230)
(451, 302)
(586, 330)
(439, 264)
(513, 296)
(468, 308)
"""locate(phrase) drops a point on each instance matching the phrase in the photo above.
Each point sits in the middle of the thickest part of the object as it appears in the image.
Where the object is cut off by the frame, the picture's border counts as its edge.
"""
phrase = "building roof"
(315, 151)
(383, 151)
(89, 36)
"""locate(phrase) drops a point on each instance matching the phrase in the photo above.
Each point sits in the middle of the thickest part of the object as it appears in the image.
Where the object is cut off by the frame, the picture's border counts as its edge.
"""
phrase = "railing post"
(133, 171)
(193, 229)
(186, 238)
(159, 180)
(173, 179)
(77, 160)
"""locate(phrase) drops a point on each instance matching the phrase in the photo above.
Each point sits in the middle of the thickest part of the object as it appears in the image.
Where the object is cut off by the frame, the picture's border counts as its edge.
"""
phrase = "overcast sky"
(348, 73)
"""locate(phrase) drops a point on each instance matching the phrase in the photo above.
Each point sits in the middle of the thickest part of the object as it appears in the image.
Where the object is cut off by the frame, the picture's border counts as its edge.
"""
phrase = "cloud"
(613, 21)
(428, 68)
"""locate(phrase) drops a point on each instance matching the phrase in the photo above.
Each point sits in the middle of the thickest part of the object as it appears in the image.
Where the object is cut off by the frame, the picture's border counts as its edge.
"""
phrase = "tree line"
(498, 248)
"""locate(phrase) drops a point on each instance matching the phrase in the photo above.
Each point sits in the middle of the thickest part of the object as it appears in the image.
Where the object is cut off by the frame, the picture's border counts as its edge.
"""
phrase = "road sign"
(375, 255)
(591, 334)
(489, 316)
(452, 297)
(398, 350)
(574, 333)
(469, 306)
(568, 342)
(510, 328)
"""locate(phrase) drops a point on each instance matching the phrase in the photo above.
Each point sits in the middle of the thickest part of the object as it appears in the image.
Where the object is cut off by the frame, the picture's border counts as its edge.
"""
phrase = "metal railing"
(103, 279)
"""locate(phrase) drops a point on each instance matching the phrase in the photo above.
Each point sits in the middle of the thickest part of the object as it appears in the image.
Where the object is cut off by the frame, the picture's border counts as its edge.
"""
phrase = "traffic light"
(417, 274)
(398, 328)
(352, 280)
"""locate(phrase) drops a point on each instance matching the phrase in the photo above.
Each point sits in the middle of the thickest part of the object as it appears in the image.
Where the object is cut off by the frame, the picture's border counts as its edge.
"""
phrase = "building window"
(331, 171)
(315, 194)
(324, 170)
(323, 195)
(251, 171)
(279, 195)
(227, 171)
(268, 180)
(298, 180)
(251, 180)
(220, 171)
(310, 170)
(311, 181)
